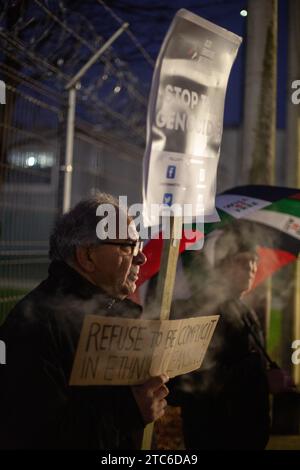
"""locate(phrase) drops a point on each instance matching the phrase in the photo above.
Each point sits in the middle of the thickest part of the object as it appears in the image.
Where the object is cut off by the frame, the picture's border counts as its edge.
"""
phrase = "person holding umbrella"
(225, 404)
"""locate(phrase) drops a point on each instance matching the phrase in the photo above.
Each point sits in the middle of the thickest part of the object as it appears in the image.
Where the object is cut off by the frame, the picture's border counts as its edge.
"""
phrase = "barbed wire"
(94, 105)
(40, 48)
(109, 65)
(93, 49)
(29, 81)
(71, 31)
(37, 60)
(129, 33)
(33, 100)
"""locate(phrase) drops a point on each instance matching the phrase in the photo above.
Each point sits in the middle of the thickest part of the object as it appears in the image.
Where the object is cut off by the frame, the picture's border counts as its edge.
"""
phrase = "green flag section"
(275, 210)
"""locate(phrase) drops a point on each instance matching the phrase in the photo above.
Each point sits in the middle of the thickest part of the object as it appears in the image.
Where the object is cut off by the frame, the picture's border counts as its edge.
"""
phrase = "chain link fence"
(41, 50)
(29, 175)
(30, 184)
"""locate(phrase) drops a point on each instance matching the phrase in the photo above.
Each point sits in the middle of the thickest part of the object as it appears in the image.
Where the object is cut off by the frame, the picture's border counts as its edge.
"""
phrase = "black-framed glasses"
(136, 246)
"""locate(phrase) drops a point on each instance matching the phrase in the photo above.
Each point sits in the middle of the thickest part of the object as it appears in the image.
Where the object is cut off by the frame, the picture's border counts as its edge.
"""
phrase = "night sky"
(150, 19)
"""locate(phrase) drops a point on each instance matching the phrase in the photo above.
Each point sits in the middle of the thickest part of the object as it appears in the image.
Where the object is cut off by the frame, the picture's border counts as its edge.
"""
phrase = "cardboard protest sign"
(118, 351)
(185, 116)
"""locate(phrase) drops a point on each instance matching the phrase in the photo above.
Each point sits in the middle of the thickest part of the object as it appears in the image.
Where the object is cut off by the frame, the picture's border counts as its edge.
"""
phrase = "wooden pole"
(296, 288)
(164, 291)
(68, 167)
(259, 139)
(262, 169)
(296, 320)
(259, 130)
(292, 172)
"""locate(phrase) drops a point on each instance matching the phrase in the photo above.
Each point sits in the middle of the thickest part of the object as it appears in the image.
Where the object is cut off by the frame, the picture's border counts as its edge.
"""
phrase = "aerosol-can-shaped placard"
(185, 116)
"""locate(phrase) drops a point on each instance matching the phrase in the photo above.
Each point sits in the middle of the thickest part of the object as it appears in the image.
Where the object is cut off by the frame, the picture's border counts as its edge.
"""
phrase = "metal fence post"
(71, 87)
(68, 167)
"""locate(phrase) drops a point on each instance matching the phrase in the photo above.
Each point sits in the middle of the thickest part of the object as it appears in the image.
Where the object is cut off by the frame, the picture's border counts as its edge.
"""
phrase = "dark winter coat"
(38, 408)
(225, 404)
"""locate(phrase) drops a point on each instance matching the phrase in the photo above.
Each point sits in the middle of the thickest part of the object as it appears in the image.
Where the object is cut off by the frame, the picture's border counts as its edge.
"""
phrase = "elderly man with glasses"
(87, 275)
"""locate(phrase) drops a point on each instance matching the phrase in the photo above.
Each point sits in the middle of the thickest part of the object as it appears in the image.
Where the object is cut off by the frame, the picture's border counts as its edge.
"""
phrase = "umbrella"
(275, 210)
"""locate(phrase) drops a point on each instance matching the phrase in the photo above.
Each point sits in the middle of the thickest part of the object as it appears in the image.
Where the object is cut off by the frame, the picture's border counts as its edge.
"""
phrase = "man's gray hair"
(78, 227)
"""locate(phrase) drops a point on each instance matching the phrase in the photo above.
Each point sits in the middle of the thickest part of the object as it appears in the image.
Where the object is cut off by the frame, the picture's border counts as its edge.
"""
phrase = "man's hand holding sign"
(150, 398)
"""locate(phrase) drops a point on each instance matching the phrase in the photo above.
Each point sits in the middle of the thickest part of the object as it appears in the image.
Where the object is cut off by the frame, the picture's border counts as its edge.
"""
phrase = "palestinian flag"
(275, 209)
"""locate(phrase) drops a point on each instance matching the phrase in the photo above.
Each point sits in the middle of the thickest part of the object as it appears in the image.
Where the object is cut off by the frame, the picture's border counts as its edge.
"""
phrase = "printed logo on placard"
(205, 51)
(171, 171)
(168, 199)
